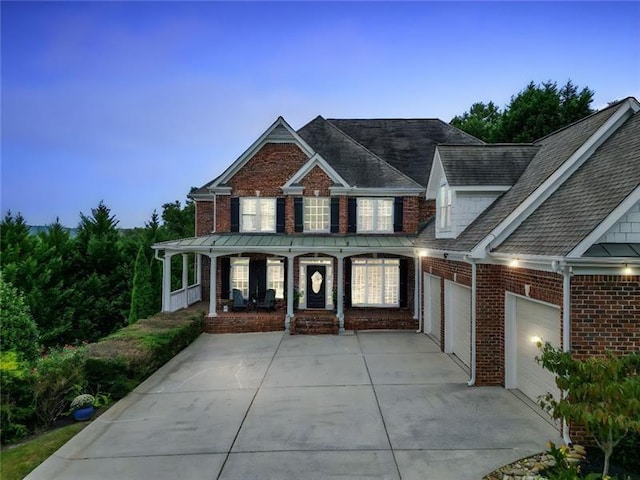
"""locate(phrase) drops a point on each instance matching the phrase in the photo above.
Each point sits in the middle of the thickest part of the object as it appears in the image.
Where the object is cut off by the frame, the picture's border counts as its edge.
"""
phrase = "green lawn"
(17, 462)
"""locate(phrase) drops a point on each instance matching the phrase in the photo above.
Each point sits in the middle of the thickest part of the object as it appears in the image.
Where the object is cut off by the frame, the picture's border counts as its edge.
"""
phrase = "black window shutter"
(352, 215)
(235, 214)
(398, 205)
(280, 215)
(225, 274)
(347, 282)
(335, 214)
(404, 271)
(257, 278)
(297, 213)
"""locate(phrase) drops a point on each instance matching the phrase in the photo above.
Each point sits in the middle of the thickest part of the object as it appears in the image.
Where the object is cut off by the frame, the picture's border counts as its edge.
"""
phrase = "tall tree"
(18, 331)
(142, 301)
(532, 113)
(483, 121)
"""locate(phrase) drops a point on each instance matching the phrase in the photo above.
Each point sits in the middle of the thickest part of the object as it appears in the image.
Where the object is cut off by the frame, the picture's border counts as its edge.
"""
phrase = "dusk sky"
(133, 103)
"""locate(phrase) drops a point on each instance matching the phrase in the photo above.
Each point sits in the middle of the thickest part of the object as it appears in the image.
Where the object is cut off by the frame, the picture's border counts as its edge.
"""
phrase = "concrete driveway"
(274, 406)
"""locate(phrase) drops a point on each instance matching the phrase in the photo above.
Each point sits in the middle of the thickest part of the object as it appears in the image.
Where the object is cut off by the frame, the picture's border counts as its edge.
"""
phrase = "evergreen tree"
(482, 121)
(18, 331)
(142, 301)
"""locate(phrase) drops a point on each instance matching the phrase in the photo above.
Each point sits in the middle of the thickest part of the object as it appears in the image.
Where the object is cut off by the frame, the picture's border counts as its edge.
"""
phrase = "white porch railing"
(194, 294)
(184, 297)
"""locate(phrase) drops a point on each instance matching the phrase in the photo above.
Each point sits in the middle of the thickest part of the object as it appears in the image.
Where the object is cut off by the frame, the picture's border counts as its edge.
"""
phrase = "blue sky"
(135, 102)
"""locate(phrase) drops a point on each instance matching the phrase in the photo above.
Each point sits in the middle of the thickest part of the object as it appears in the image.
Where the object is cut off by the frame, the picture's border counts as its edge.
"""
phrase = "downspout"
(474, 271)
(418, 271)
(567, 273)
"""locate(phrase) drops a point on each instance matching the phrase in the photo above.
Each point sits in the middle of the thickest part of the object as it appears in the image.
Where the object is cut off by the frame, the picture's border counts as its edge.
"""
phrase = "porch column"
(185, 270)
(290, 267)
(340, 294)
(199, 269)
(416, 288)
(212, 286)
(166, 282)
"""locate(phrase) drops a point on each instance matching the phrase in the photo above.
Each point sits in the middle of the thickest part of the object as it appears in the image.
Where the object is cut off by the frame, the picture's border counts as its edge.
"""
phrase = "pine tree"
(142, 301)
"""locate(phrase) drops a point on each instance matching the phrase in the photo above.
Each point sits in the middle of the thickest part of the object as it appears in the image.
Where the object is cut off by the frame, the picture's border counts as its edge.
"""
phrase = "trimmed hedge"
(116, 364)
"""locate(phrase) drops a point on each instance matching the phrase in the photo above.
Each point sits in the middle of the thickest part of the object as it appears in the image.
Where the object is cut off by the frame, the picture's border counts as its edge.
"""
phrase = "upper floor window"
(444, 207)
(375, 215)
(316, 214)
(257, 214)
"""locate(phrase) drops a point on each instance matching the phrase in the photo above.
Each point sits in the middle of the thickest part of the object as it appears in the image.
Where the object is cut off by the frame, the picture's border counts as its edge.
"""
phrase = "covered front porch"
(348, 282)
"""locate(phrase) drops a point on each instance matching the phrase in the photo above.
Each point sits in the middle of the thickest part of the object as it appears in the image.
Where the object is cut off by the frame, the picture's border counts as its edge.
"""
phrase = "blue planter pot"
(82, 414)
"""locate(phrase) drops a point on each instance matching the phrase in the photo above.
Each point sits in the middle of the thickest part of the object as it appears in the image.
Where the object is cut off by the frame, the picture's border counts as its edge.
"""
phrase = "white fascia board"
(480, 188)
(606, 224)
(384, 192)
(437, 172)
(443, 254)
(316, 160)
(250, 152)
(202, 197)
(220, 190)
(505, 228)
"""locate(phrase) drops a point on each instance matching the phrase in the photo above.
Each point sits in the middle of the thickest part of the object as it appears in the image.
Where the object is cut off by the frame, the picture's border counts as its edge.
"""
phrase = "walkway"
(371, 405)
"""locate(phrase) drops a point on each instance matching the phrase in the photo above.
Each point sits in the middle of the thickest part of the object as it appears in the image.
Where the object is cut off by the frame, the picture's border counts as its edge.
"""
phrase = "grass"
(18, 462)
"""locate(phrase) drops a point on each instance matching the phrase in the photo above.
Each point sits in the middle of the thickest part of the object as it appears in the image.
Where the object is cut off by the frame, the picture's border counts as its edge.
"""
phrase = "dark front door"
(316, 286)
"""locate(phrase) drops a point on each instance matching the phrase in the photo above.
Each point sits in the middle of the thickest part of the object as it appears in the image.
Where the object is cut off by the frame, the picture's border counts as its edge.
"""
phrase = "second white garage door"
(432, 304)
(532, 321)
(457, 318)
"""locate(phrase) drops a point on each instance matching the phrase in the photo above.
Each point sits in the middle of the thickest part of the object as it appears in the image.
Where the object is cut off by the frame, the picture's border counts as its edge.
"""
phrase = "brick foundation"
(309, 323)
(243, 323)
(379, 319)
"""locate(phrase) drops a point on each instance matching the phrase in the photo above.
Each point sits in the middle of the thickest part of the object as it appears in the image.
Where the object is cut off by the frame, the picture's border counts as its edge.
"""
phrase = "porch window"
(444, 207)
(316, 214)
(275, 276)
(375, 215)
(257, 214)
(240, 275)
(375, 282)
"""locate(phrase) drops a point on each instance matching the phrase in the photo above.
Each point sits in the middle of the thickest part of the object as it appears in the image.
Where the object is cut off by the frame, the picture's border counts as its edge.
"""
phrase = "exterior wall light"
(536, 340)
(514, 263)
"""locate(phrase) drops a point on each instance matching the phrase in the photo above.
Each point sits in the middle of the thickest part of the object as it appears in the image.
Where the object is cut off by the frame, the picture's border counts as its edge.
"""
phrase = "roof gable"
(278, 132)
(315, 161)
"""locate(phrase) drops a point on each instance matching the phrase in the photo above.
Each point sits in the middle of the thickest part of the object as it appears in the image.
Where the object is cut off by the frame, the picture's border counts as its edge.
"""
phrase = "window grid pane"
(258, 214)
(240, 275)
(385, 215)
(375, 282)
(316, 214)
(275, 276)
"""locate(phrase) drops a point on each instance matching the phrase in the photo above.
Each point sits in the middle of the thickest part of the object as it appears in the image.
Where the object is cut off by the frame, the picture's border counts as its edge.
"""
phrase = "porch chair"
(269, 302)
(239, 303)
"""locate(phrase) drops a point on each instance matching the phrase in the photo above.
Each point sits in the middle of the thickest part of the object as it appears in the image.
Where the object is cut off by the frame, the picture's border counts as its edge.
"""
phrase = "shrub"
(58, 377)
(117, 363)
(17, 403)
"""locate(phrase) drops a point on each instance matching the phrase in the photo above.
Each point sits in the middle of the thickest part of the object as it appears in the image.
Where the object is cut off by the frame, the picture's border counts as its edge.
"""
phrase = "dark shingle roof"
(585, 199)
(554, 150)
(406, 144)
(485, 164)
(355, 163)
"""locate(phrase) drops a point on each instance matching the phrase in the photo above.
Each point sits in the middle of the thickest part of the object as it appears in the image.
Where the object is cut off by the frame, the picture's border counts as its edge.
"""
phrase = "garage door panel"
(534, 319)
(458, 313)
(434, 303)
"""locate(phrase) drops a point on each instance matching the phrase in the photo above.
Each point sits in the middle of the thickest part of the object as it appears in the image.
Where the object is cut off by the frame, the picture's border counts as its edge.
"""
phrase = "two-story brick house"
(328, 213)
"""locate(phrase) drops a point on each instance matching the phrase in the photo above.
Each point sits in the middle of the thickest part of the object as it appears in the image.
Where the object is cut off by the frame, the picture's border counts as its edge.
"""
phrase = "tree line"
(63, 290)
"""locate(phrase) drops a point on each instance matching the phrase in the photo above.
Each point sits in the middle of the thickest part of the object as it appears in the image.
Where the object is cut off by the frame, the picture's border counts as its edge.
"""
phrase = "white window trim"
(376, 202)
(304, 215)
(446, 209)
(235, 263)
(271, 262)
(258, 220)
(364, 263)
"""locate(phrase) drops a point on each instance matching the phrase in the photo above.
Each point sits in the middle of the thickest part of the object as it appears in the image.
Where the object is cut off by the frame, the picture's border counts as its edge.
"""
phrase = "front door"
(316, 286)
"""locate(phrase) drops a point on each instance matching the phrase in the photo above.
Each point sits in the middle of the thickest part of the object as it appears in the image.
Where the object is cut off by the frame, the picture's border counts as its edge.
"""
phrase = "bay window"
(375, 215)
(375, 282)
(257, 214)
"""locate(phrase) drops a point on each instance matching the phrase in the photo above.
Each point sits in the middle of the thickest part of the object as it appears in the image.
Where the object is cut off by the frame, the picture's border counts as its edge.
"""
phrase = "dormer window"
(444, 207)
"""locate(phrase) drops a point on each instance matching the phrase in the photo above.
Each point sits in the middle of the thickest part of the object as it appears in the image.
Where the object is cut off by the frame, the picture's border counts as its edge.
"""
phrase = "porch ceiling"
(292, 243)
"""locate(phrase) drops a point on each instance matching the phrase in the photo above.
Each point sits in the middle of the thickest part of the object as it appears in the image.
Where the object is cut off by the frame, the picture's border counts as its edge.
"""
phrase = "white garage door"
(457, 317)
(432, 305)
(534, 320)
